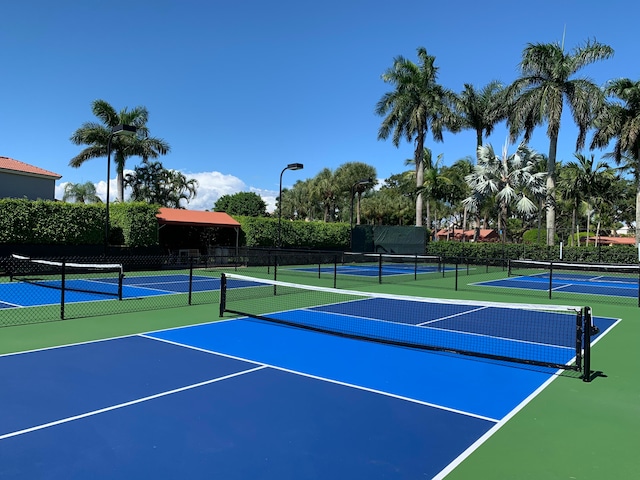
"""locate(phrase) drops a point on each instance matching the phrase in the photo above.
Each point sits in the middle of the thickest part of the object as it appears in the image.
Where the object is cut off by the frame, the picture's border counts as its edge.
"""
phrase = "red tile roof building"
(21, 180)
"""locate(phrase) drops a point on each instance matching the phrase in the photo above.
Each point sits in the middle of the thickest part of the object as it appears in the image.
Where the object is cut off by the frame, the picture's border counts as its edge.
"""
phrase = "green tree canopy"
(247, 204)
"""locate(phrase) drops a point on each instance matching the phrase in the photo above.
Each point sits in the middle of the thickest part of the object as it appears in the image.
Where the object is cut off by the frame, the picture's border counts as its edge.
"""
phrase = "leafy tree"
(512, 179)
(325, 190)
(619, 120)
(416, 104)
(152, 183)
(96, 135)
(539, 95)
(81, 193)
(248, 204)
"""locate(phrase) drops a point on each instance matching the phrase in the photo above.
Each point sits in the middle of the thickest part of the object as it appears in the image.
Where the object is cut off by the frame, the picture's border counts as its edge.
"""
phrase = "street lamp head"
(295, 166)
(124, 130)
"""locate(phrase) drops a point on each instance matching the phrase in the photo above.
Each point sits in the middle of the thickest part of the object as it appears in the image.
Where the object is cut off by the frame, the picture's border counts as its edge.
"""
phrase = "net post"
(550, 278)
(457, 263)
(586, 360)
(120, 283)
(380, 268)
(223, 294)
(275, 273)
(335, 271)
(509, 268)
(62, 289)
(190, 279)
(415, 267)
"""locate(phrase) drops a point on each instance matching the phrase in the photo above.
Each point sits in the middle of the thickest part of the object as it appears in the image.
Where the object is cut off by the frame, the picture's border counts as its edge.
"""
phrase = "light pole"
(291, 166)
(117, 130)
(363, 181)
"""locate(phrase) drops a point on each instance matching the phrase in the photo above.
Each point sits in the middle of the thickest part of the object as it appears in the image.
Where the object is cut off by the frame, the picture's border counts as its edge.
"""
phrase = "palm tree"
(81, 193)
(481, 110)
(582, 180)
(416, 104)
(325, 190)
(153, 183)
(513, 180)
(354, 179)
(539, 95)
(620, 120)
(96, 135)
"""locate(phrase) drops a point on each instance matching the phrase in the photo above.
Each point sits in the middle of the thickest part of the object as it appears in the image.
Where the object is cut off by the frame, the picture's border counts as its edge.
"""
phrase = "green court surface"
(570, 430)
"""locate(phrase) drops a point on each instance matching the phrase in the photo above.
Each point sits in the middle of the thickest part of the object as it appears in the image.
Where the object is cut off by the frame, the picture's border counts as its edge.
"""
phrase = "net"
(389, 265)
(599, 279)
(545, 335)
(93, 278)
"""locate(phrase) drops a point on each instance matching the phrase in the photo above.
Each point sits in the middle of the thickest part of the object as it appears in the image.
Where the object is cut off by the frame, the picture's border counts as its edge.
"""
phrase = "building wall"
(20, 186)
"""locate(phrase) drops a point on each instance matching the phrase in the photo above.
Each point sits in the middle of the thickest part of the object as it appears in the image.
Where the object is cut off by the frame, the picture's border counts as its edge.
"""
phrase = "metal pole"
(106, 222)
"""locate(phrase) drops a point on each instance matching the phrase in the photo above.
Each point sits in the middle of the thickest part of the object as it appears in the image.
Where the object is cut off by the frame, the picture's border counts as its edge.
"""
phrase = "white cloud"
(211, 186)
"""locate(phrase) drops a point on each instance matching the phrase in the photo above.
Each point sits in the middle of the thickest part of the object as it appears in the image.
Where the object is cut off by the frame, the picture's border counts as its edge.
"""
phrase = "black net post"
(62, 289)
(550, 278)
(379, 268)
(275, 273)
(335, 271)
(457, 263)
(415, 268)
(190, 278)
(120, 283)
(223, 294)
(586, 360)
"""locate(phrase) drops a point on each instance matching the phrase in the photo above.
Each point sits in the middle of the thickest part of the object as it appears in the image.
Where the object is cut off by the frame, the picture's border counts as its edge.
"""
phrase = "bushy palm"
(539, 95)
(152, 183)
(81, 193)
(96, 136)
(582, 180)
(417, 103)
(512, 180)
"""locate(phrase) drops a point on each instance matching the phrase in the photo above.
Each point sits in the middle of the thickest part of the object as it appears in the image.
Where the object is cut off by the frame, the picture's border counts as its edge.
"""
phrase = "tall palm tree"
(620, 120)
(513, 180)
(480, 110)
(81, 193)
(354, 179)
(96, 135)
(546, 82)
(417, 103)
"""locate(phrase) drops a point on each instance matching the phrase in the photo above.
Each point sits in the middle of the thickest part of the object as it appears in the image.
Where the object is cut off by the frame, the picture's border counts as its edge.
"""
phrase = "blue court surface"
(244, 399)
(20, 294)
(572, 283)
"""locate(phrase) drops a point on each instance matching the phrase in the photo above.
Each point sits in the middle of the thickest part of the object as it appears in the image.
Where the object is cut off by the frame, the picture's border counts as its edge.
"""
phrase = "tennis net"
(545, 335)
(96, 278)
(598, 279)
(382, 265)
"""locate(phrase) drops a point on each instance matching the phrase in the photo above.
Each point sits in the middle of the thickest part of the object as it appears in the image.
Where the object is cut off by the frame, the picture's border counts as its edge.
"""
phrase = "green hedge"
(263, 232)
(622, 254)
(44, 222)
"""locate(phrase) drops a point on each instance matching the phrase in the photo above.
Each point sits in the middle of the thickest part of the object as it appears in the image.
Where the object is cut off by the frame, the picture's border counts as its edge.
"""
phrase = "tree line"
(507, 191)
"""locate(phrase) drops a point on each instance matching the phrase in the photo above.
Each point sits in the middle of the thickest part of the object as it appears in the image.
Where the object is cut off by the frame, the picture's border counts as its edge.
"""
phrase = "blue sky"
(240, 89)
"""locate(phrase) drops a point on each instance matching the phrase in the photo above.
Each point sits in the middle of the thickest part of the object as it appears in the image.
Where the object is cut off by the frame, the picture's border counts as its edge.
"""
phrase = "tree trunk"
(419, 161)
(551, 191)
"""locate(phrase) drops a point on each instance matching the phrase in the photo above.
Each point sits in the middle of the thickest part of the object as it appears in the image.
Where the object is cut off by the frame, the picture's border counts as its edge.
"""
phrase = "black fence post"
(62, 288)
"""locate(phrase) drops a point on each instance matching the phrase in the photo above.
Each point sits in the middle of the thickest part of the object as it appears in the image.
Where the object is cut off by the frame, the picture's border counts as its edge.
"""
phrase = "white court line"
(450, 316)
(126, 404)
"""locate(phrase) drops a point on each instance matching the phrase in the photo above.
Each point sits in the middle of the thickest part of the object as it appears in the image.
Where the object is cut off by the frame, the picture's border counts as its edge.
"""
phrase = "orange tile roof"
(176, 216)
(21, 167)
(612, 240)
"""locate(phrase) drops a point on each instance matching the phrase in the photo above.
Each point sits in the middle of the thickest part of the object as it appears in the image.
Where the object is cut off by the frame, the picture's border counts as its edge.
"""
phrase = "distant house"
(459, 235)
(21, 180)
(611, 240)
